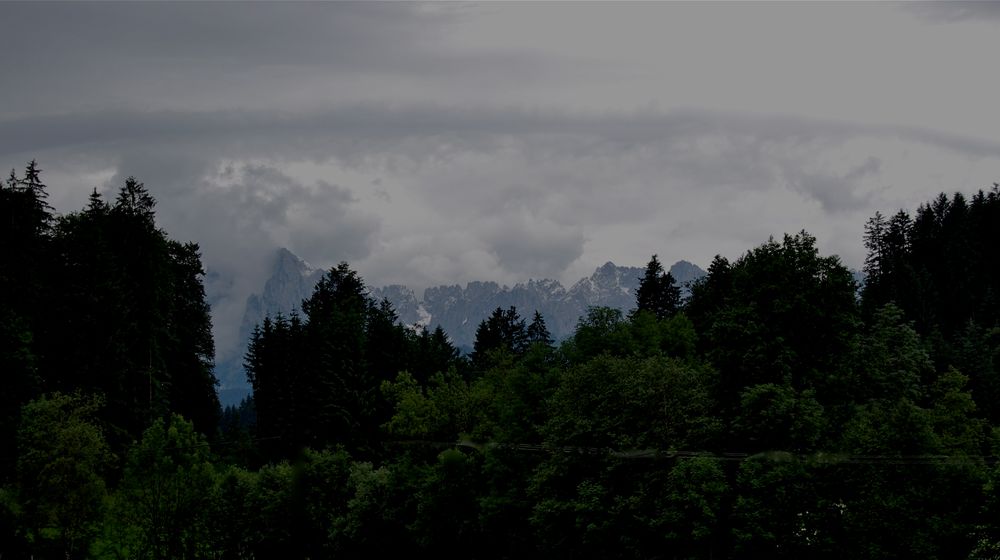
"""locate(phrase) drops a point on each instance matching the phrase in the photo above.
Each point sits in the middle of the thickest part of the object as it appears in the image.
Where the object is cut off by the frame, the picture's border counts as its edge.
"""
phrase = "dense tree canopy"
(777, 412)
(102, 301)
(503, 332)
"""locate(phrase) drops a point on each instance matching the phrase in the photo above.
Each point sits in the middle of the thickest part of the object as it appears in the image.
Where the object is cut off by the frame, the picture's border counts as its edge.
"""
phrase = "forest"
(780, 411)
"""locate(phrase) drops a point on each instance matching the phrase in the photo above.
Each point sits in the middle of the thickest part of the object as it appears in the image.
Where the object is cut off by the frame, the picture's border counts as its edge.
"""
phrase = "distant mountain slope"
(292, 280)
(458, 310)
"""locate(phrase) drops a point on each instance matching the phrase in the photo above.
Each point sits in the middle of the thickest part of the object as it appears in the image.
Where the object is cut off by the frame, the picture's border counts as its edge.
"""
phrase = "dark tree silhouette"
(657, 293)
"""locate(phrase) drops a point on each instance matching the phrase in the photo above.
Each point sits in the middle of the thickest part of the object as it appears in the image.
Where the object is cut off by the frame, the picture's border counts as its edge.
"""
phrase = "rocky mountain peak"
(456, 309)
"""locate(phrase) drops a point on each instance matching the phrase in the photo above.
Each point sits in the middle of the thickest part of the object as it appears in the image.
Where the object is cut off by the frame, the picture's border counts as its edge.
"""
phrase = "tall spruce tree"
(129, 317)
(657, 293)
(316, 382)
(503, 331)
(342, 392)
(537, 332)
(25, 280)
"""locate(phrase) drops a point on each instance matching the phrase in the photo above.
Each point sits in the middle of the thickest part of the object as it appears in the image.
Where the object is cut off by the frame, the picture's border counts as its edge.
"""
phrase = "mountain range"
(458, 310)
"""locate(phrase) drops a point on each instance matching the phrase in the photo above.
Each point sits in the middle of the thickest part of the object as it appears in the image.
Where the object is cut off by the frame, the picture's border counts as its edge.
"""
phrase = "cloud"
(240, 212)
(836, 192)
(955, 11)
(532, 246)
(522, 192)
(155, 56)
(425, 132)
(425, 196)
(443, 143)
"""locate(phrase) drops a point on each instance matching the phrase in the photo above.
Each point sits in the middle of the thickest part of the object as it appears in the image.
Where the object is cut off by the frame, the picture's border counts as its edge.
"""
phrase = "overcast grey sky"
(442, 143)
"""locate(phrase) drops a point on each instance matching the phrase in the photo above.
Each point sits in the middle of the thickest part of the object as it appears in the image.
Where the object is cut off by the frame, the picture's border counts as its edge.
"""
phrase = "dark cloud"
(240, 214)
(87, 56)
(442, 143)
(203, 34)
(520, 187)
(955, 11)
(531, 246)
(425, 132)
(836, 193)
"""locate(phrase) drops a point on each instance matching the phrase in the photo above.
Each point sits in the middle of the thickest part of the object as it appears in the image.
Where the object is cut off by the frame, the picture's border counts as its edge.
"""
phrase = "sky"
(441, 143)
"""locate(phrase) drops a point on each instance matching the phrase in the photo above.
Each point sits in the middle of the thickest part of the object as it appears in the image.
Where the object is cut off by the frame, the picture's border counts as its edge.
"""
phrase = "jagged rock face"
(460, 310)
(404, 302)
(456, 309)
(291, 281)
(684, 273)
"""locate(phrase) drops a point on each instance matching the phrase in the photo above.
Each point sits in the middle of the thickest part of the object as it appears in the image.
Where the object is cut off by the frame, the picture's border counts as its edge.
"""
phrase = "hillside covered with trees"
(779, 411)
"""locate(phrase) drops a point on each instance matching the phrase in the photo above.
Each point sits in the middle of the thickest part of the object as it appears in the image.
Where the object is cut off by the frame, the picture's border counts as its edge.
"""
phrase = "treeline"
(780, 411)
(102, 301)
(100, 304)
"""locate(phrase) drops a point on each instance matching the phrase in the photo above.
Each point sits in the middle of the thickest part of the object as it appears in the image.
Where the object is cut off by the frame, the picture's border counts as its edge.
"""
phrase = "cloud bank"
(443, 143)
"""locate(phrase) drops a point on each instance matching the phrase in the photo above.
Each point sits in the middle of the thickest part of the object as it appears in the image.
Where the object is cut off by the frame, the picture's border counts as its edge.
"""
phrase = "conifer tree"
(25, 279)
(538, 333)
(657, 293)
(128, 317)
(503, 331)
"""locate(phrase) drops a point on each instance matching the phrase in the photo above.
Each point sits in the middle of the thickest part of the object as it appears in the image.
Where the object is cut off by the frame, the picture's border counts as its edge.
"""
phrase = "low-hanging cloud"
(240, 212)
(444, 143)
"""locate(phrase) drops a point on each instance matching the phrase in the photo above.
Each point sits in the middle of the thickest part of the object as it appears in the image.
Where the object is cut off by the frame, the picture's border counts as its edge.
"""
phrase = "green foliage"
(895, 361)
(162, 507)
(952, 414)
(976, 352)
(869, 426)
(674, 336)
(509, 402)
(235, 517)
(780, 511)
(779, 314)
(602, 330)
(432, 353)
(633, 403)
(786, 318)
(127, 316)
(317, 382)
(13, 541)
(777, 417)
(504, 332)
(447, 511)
(940, 268)
(890, 428)
(21, 383)
(692, 506)
(439, 411)
(538, 332)
(61, 463)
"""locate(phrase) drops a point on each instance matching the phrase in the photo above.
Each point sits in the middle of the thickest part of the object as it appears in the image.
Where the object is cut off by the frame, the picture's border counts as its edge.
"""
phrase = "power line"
(818, 458)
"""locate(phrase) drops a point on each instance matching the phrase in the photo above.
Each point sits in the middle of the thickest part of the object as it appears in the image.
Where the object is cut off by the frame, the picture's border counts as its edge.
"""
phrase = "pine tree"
(503, 331)
(538, 333)
(134, 200)
(432, 353)
(25, 287)
(129, 317)
(657, 293)
(342, 395)
(874, 240)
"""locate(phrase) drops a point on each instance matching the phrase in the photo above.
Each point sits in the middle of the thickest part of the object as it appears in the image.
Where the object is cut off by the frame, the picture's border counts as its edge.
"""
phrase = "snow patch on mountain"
(458, 310)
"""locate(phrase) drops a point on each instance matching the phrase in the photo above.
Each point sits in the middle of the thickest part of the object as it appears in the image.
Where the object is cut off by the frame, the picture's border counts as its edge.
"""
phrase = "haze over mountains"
(458, 310)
